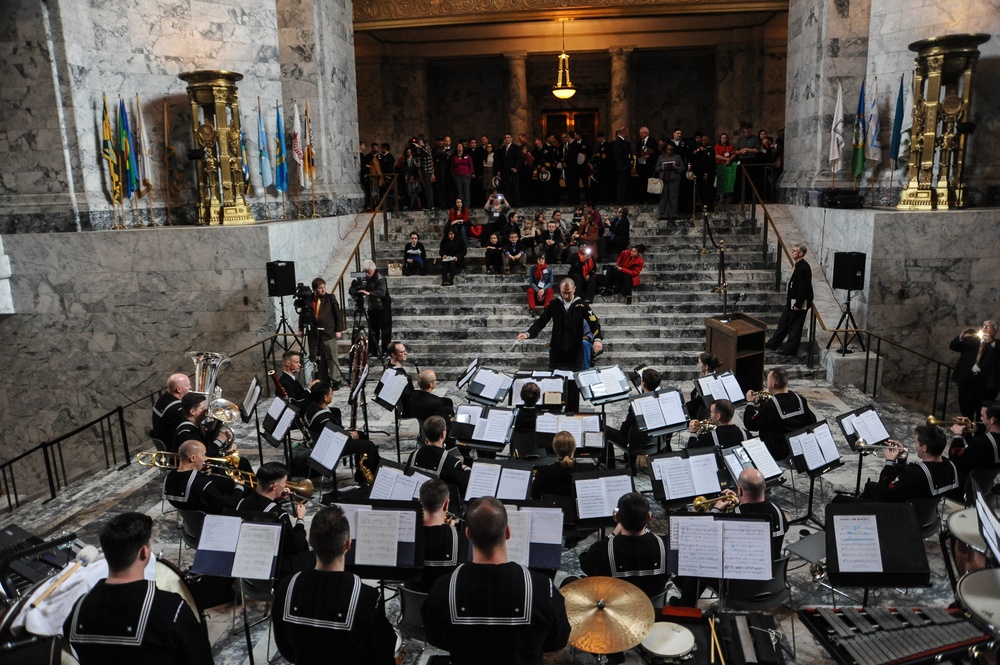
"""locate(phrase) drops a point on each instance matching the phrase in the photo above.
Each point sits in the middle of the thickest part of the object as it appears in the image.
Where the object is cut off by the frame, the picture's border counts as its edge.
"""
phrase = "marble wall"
(925, 279)
(57, 58)
(104, 318)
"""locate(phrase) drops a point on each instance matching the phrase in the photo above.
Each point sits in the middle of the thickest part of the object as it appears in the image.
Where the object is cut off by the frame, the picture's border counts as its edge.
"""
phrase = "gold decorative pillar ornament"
(215, 121)
(942, 98)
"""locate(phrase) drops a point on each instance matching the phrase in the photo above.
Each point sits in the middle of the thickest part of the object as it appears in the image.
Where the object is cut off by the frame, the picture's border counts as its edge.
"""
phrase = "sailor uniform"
(324, 616)
(775, 515)
(167, 415)
(495, 614)
(441, 465)
(912, 481)
(293, 538)
(640, 560)
(445, 547)
(979, 452)
(723, 436)
(193, 490)
(776, 417)
(136, 623)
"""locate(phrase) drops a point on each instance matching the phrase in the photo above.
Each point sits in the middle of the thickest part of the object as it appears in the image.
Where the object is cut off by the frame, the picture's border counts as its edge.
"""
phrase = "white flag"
(873, 146)
(837, 141)
(142, 152)
(297, 154)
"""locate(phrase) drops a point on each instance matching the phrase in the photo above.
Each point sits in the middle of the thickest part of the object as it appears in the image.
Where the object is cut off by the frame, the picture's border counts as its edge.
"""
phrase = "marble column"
(517, 93)
(621, 112)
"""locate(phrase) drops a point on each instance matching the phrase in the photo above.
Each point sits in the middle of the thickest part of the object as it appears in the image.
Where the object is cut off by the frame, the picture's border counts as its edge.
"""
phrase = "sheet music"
(989, 526)
(796, 445)
(404, 489)
(564, 373)
(520, 533)
(220, 533)
(514, 483)
(493, 384)
(762, 458)
(469, 413)
(547, 423)
(615, 377)
(494, 426)
(649, 409)
(615, 487)
(360, 385)
(598, 389)
(705, 474)
(546, 524)
(593, 440)
(515, 389)
(732, 386)
(747, 549)
(351, 511)
(255, 551)
(715, 387)
(385, 480)
(847, 424)
(672, 406)
(418, 479)
(375, 544)
(551, 385)
(253, 392)
(469, 371)
(588, 378)
(592, 499)
(407, 532)
(870, 428)
(483, 480)
(699, 547)
(392, 383)
(675, 474)
(857, 543)
(329, 446)
(733, 463)
(811, 451)
(574, 426)
(277, 406)
(282, 428)
(590, 423)
(824, 436)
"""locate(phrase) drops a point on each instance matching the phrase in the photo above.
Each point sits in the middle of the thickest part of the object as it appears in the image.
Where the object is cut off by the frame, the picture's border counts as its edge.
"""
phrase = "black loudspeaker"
(280, 278)
(849, 271)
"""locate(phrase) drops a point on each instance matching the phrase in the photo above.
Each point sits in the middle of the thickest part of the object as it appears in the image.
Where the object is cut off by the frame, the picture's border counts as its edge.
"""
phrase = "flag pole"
(121, 179)
(892, 172)
(166, 159)
(833, 183)
(312, 195)
(142, 136)
(872, 195)
(298, 196)
(263, 186)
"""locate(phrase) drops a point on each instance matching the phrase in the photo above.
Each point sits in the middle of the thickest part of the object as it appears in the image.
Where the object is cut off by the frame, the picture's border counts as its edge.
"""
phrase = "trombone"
(162, 459)
(703, 504)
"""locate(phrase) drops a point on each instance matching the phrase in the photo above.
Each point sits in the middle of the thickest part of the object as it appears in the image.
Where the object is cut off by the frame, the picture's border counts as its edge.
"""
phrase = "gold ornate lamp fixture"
(215, 121)
(563, 89)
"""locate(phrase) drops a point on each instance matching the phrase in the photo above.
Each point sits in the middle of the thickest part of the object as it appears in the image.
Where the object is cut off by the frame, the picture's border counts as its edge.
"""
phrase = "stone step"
(499, 321)
(475, 276)
(648, 290)
(475, 335)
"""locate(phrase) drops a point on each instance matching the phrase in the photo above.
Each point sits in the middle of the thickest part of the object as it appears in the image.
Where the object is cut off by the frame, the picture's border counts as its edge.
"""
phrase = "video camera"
(302, 300)
(359, 280)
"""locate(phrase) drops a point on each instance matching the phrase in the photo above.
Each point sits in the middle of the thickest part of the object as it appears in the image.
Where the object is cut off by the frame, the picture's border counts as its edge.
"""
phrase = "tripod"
(283, 330)
(847, 321)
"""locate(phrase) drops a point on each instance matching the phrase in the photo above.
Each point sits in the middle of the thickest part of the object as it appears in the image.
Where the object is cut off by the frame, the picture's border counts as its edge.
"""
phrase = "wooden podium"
(738, 342)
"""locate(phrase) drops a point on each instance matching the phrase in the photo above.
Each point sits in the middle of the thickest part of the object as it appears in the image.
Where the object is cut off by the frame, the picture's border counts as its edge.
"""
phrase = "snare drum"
(979, 593)
(399, 653)
(667, 643)
(969, 548)
(168, 577)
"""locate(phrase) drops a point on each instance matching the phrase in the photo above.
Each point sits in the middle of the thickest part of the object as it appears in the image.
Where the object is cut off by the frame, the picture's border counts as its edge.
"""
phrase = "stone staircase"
(445, 328)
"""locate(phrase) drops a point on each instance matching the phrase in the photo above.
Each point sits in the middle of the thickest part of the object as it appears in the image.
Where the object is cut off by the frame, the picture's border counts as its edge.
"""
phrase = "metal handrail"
(105, 425)
(817, 319)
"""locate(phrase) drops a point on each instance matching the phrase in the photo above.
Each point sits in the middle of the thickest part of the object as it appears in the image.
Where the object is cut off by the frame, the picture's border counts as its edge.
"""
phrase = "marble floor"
(83, 506)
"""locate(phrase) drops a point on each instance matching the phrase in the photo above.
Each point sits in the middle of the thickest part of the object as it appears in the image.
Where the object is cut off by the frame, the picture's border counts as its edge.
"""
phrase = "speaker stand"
(847, 321)
(284, 327)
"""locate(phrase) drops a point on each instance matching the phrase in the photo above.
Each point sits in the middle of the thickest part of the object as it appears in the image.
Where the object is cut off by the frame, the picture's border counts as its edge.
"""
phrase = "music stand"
(814, 453)
(862, 423)
(248, 407)
(488, 386)
(720, 385)
(491, 431)
(408, 560)
(601, 489)
(277, 425)
(388, 392)
(685, 475)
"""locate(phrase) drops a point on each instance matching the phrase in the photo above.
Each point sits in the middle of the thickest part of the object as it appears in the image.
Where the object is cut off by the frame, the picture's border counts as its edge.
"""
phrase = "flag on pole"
(310, 165)
(858, 142)
(873, 146)
(837, 131)
(896, 148)
(297, 153)
(280, 167)
(142, 151)
(170, 155)
(266, 175)
(246, 160)
(110, 156)
(130, 181)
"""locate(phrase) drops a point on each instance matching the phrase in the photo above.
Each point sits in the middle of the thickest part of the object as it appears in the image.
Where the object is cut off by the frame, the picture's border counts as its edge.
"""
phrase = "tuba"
(206, 374)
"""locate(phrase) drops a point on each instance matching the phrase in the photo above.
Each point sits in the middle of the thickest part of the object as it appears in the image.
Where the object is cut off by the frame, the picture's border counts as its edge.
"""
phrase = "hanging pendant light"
(563, 89)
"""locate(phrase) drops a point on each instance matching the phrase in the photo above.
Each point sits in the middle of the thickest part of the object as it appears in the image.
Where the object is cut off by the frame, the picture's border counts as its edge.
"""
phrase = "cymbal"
(606, 615)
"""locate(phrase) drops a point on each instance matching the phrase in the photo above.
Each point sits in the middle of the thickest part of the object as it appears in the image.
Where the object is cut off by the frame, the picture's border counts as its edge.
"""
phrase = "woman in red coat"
(629, 265)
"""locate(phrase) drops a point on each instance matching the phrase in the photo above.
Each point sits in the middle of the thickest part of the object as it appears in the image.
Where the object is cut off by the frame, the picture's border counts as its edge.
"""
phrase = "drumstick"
(87, 555)
(715, 642)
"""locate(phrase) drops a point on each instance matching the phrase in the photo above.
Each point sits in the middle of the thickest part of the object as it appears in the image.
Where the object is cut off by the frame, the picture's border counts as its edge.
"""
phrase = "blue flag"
(130, 171)
(266, 175)
(897, 125)
(280, 167)
(858, 143)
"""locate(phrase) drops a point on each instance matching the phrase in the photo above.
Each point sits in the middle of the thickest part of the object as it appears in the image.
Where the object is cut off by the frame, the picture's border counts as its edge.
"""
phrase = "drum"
(979, 593)
(667, 643)
(399, 653)
(964, 525)
(168, 577)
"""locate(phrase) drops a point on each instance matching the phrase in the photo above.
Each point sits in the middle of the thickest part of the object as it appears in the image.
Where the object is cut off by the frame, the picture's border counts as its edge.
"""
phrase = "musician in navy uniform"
(930, 476)
(441, 463)
(325, 614)
(125, 618)
(629, 436)
(266, 498)
(774, 418)
(317, 414)
(167, 411)
(492, 611)
(632, 552)
(725, 434)
(188, 488)
(445, 546)
(195, 410)
(295, 393)
(982, 451)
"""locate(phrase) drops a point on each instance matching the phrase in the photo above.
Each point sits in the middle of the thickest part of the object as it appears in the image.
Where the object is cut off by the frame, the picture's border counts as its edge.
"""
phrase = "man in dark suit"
(799, 300)
(424, 403)
(623, 164)
(576, 152)
(646, 153)
(509, 169)
(977, 368)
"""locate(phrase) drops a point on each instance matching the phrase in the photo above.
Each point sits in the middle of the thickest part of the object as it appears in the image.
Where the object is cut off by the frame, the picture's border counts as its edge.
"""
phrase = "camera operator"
(374, 288)
(322, 320)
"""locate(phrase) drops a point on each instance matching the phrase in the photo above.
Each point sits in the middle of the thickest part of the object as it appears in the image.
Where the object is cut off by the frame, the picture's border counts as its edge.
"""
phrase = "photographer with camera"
(322, 321)
(583, 271)
(374, 288)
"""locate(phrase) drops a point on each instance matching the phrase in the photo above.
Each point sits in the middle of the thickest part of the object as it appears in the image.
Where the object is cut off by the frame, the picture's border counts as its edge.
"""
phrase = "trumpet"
(703, 504)
(761, 396)
(818, 570)
(863, 446)
(969, 426)
(705, 426)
